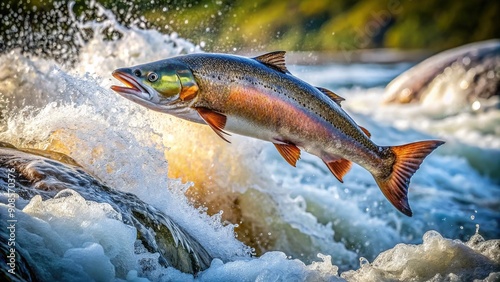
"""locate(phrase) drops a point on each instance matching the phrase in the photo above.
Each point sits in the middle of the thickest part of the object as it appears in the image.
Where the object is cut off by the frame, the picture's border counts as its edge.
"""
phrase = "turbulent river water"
(261, 219)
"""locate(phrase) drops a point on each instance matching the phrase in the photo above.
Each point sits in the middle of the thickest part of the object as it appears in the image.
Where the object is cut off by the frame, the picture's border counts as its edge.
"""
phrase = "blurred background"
(332, 27)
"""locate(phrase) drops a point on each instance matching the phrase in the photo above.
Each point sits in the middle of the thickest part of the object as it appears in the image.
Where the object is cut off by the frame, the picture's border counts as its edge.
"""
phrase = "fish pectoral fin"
(365, 131)
(289, 152)
(275, 60)
(336, 98)
(215, 120)
(339, 168)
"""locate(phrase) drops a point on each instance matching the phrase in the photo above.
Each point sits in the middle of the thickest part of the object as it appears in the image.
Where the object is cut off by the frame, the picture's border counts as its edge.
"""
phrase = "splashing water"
(222, 194)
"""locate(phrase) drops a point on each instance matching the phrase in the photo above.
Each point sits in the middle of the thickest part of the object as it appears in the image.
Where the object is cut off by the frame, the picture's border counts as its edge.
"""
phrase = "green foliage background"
(317, 25)
(329, 24)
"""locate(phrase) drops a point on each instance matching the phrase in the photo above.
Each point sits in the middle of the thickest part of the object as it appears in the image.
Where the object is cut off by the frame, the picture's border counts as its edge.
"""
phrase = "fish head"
(162, 86)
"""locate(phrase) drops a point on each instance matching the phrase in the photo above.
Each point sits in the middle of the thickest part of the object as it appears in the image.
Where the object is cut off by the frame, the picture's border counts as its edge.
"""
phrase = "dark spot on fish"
(137, 73)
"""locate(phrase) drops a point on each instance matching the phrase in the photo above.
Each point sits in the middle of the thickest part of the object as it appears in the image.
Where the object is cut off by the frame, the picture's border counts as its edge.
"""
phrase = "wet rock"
(36, 174)
(472, 70)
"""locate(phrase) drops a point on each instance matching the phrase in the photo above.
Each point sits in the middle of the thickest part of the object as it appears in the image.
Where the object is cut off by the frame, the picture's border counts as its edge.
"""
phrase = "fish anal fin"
(216, 121)
(339, 168)
(289, 152)
(336, 98)
(406, 162)
(275, 60)
(365, 131)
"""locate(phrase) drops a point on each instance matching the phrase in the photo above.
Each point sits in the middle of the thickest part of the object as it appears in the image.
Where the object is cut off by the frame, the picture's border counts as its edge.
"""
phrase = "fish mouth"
(132, 87)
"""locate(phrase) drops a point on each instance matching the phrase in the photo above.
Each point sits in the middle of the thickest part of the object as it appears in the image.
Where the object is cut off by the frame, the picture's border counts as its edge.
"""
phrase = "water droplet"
(472, 217)
(464, 84)
(476, 105)
(406, 93)
(466, 61)
(490, 74)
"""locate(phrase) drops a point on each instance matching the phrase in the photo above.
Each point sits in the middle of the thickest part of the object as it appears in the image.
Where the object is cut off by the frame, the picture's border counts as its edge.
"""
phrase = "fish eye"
(137, 73)
(152, 77)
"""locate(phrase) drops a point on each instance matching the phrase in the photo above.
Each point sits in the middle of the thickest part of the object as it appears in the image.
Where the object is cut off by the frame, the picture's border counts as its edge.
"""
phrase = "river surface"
(262, 219)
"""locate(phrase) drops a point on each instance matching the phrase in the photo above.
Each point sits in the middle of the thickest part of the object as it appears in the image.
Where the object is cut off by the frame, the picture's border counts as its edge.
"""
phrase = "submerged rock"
(472, 70)
(43, 177)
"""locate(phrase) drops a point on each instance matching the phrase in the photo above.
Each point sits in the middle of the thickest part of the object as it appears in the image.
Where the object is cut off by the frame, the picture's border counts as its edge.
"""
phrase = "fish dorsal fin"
(215, 120)
(365, 131)
(275, 60)
(336, 98)
(289, 152)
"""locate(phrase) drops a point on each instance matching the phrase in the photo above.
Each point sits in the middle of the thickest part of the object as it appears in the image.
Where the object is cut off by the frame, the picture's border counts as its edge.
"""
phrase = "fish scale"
(325, 112)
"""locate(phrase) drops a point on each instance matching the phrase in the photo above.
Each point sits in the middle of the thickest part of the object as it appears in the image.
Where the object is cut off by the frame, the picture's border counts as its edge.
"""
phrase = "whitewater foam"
(69, 238)
(436, 259)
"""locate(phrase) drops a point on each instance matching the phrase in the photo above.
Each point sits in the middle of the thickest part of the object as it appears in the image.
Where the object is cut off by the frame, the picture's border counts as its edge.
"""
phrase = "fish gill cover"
(237, 200)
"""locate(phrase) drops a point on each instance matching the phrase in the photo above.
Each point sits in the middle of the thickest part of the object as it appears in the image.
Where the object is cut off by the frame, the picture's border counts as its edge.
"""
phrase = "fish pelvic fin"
(339, 168)
(406, 162)
(215, 120)
(289, 152)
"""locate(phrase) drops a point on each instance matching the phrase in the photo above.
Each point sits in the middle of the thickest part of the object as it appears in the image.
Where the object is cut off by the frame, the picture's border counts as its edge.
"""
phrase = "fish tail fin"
(407, 159)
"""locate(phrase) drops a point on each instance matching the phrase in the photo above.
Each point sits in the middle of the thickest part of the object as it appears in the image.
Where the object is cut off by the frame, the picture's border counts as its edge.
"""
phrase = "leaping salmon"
(260, 98)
